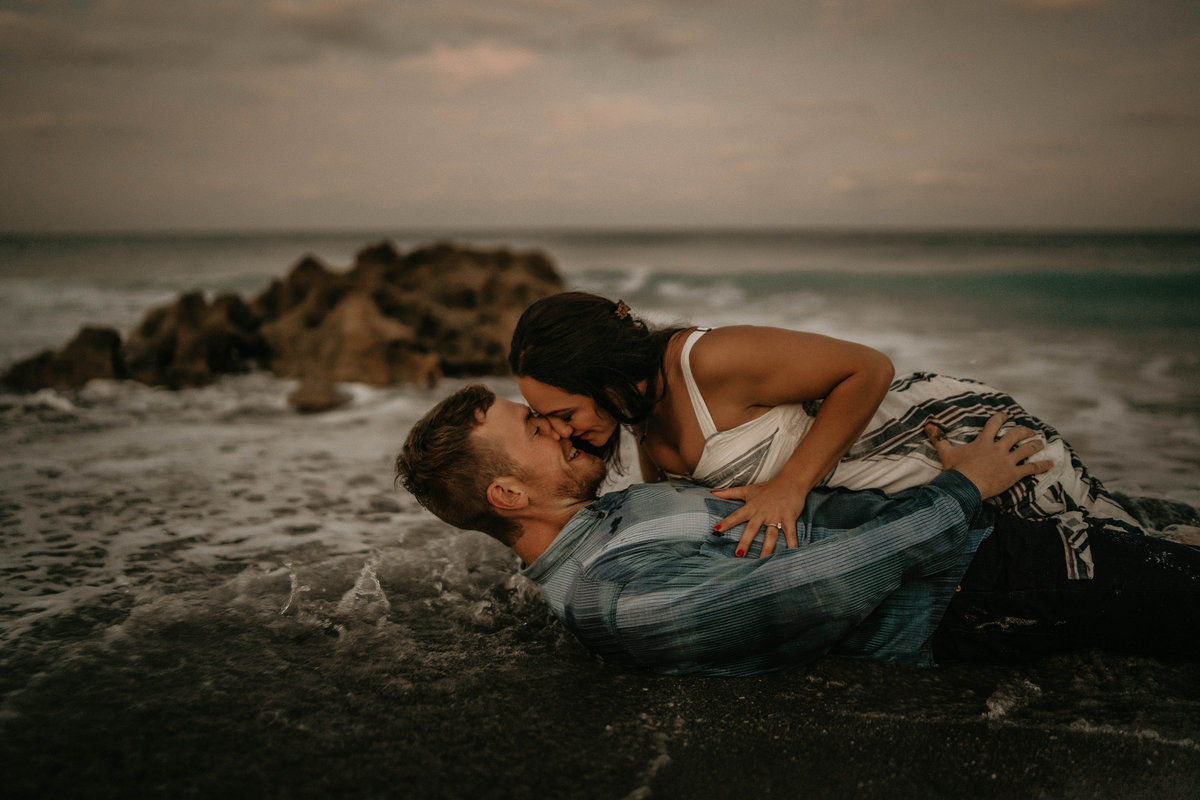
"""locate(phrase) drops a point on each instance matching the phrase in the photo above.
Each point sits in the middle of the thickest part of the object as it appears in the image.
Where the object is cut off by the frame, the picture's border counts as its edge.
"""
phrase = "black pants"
(1015, 601)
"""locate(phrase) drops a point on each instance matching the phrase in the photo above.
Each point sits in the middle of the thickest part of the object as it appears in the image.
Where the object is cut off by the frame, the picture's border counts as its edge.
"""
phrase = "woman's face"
(570, 414)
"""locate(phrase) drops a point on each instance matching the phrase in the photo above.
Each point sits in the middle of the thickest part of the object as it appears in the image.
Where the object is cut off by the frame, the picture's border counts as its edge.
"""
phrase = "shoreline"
(203, 592)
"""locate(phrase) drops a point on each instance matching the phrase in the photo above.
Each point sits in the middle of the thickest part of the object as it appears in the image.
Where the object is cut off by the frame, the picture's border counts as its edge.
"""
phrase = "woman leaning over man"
(766, 414)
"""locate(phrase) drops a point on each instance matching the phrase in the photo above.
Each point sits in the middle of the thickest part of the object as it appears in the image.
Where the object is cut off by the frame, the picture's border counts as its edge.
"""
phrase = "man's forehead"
(510, 408)
(504, 414)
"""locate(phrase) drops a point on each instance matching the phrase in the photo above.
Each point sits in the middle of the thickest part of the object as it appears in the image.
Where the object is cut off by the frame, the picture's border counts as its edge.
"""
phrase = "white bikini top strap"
(707, 427)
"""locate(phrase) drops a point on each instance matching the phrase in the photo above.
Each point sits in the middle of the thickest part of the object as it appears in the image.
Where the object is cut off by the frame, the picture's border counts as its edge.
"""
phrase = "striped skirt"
(894, 454)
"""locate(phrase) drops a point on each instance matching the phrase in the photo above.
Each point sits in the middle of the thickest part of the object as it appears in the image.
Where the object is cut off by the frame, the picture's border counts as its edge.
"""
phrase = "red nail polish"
(716, 527)
(740, 553)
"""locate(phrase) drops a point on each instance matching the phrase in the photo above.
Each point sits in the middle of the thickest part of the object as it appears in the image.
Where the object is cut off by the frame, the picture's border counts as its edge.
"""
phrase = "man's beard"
(599, 451)
(583, 486)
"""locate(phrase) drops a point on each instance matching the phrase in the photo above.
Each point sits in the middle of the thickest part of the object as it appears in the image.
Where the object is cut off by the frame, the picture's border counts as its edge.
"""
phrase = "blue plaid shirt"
(642, 580)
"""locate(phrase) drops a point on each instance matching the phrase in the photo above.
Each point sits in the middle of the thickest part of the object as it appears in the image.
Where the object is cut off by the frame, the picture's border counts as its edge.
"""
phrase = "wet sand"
(183, 715)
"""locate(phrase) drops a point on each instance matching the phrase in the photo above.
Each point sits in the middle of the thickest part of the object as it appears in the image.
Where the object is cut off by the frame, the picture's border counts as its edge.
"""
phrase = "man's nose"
(563, 430)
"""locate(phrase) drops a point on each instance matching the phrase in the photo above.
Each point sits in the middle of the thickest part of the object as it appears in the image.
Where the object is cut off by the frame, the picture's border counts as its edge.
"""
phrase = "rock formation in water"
(190, 341)
(390, 319)
(94, 353)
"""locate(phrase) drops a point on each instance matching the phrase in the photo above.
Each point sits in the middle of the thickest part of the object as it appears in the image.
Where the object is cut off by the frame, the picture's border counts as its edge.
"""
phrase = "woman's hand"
(774, 505)
(744, 370)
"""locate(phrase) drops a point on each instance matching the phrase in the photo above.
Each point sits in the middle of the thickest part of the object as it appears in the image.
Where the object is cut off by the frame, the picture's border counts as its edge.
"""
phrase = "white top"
(894, 453)
(752, 452)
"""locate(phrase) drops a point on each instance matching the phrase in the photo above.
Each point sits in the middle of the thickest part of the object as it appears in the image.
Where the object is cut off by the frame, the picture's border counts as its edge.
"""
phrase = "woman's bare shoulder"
(743, 348)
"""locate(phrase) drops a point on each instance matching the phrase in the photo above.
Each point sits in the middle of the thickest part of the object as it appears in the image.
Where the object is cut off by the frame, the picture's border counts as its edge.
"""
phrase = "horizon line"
(528, 229)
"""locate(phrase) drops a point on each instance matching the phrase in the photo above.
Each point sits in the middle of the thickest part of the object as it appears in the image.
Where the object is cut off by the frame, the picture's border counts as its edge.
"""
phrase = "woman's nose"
(561, 428)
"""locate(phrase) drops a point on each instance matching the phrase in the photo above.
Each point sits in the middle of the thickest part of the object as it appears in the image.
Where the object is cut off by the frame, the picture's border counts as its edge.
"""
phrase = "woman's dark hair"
(586, 344)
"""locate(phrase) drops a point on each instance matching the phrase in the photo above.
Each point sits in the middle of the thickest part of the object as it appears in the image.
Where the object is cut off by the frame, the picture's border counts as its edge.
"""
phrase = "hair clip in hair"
(622, 310)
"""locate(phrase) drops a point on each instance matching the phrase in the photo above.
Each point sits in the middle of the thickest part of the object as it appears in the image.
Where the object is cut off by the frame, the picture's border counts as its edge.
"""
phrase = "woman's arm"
(744, 368)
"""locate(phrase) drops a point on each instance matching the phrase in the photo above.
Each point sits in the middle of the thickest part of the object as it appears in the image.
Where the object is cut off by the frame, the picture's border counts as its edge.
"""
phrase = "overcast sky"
(213, 114)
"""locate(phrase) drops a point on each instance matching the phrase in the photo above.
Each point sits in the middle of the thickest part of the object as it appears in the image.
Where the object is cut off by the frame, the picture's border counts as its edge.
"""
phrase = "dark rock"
(472, 343)
(315, 395)
(309, 275)
(95, 352)
(232, 331)
(459, 304)
(411, 307)
(189, 341)
(269, 302)
(1157, 513)
(382, 253)
(354, 342)
(390, 319)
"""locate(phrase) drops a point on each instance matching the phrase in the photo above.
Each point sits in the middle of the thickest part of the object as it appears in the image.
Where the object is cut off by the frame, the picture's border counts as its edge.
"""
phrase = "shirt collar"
(571, 536)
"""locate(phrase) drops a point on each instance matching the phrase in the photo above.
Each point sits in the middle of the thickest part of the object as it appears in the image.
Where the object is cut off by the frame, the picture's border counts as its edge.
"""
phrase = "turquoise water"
(1098, 332)
(1072, 281)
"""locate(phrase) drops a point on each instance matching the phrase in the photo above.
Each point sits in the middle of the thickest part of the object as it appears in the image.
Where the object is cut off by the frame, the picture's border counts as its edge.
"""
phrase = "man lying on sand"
(642, 579)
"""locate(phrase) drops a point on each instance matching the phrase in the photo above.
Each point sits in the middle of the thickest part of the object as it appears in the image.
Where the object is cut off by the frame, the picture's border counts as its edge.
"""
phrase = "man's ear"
(507, 494)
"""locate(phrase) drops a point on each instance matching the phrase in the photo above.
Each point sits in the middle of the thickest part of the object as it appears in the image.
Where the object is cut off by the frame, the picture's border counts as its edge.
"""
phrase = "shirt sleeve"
(709, 613)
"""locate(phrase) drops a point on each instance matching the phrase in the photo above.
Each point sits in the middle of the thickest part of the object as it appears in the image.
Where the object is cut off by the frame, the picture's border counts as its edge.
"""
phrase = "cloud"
(840, 108)
(601, 114)
(38, 39)
(843, 184)
(457, 67)
(344, 24)
(25, 37)
(90, 39)
(1056, 6)
(876, 105)
(611, 114)
(860, 14)
(136, 33)
(632, 29)
(1157, 117)
(899, 183)
(53, 131)
(189, 32)
(935, 178)
(641, 32)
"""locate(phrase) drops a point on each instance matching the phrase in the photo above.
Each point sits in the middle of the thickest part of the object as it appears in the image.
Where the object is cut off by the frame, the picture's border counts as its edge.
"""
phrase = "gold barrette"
(622, 310)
